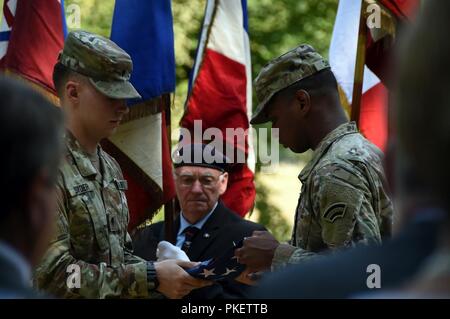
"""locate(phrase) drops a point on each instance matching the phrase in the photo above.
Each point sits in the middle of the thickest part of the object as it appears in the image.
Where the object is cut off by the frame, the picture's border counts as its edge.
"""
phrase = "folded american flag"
(225, 267)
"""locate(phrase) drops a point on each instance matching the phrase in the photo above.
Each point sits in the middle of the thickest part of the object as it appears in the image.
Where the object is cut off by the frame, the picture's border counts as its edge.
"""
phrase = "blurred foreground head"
(423, 103)
(31, 144)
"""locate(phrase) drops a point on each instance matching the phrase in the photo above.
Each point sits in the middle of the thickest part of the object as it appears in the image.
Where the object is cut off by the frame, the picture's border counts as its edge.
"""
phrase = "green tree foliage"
(277, 26)
(96, 15)
(269, 214)
(187, 22)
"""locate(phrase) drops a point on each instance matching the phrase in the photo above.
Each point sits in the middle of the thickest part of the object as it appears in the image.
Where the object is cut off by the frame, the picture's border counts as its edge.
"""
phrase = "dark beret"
(204, 155)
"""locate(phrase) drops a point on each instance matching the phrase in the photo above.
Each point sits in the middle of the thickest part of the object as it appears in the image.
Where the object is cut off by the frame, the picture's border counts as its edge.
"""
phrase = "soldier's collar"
(324, 145)
(80, 157)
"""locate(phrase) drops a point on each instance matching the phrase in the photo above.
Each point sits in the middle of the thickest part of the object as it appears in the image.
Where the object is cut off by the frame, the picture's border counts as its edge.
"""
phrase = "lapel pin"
(206, 235)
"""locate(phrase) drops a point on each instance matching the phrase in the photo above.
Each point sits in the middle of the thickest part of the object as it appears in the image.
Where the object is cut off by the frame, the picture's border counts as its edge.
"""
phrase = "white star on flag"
(229, 271)
(206, 273)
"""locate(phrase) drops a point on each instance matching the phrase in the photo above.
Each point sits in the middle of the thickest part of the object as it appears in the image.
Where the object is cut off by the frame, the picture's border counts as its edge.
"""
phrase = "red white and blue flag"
(31, 36)
(220, 92)
(144, 29)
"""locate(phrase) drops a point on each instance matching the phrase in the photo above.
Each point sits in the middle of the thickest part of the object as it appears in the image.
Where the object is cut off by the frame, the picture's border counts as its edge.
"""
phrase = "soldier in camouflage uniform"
(344, 200)
(91, 78)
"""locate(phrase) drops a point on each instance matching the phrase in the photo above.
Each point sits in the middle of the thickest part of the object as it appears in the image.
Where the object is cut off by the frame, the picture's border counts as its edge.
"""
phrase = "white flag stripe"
(343, 48)
(141, 141)
(228, 26)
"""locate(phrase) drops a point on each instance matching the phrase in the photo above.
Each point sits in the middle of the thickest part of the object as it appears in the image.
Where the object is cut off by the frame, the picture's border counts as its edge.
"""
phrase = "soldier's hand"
(257, 251)
(174, 281)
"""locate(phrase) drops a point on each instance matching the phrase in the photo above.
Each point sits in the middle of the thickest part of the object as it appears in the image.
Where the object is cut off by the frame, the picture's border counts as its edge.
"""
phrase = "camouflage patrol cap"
(107, 66)
(281, 72)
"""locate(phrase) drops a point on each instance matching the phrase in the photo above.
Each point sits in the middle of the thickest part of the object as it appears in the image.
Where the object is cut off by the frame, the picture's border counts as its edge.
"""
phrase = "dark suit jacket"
(223, 227)
(344, 275)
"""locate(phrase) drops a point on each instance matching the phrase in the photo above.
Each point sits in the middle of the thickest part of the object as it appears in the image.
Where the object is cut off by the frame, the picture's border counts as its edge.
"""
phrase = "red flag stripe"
(33, 54)
(373, 115)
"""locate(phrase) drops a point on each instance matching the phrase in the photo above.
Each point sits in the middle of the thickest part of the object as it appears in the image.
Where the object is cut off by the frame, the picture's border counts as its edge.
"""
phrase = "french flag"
(220, 91)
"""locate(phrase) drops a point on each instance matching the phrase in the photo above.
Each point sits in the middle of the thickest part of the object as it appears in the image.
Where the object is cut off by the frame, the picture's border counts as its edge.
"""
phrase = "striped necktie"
(189, 234)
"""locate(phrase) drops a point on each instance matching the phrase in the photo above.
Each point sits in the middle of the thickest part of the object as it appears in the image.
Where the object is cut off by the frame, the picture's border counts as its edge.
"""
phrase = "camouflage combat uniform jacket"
(343, 199)
(91, 233)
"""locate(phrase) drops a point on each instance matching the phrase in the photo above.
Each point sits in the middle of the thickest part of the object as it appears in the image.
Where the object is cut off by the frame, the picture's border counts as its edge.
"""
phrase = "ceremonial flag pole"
(359, 67)
(169, 206)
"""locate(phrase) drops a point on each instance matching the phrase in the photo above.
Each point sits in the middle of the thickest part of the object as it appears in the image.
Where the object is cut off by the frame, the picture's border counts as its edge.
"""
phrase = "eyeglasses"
(207, 181)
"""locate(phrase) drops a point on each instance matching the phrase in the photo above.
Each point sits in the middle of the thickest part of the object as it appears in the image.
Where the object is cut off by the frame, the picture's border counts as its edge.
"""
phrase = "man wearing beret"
(91, 253)
(344, 200)
(205, 228)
